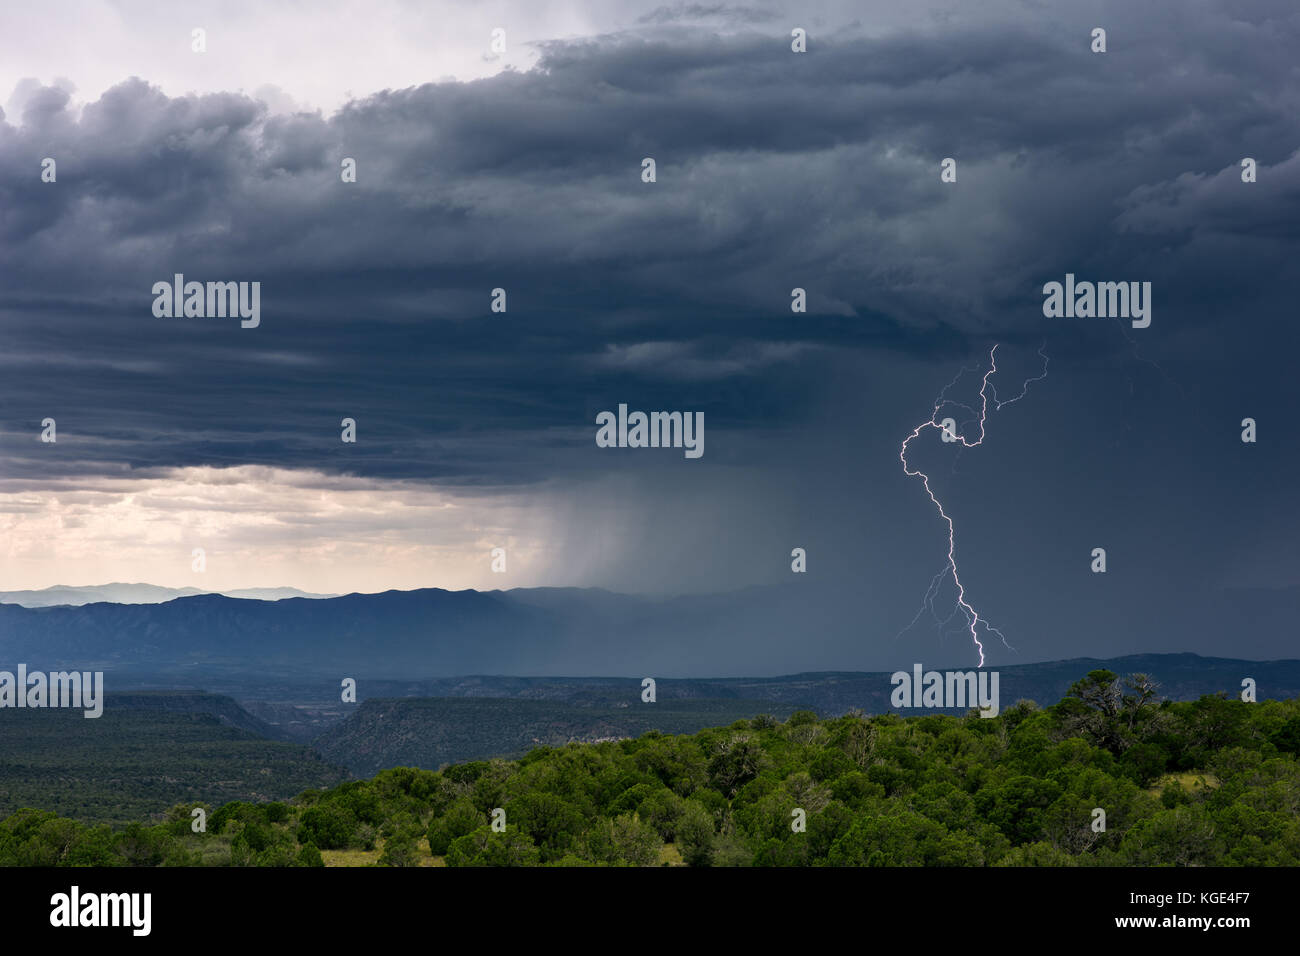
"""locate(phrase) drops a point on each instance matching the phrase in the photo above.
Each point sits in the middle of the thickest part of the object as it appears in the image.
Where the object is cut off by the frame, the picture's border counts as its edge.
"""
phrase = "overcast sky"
(775, 170)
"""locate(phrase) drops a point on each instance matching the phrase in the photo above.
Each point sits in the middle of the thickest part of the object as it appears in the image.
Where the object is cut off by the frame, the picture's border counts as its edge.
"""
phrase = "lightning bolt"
(980, 418)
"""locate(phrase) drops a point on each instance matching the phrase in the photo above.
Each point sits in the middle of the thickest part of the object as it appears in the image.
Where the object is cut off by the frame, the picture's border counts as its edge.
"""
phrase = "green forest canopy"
(1214, 781)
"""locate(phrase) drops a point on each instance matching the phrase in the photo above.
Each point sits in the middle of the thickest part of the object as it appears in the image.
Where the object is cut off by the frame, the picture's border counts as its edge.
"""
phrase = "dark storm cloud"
(775, 171)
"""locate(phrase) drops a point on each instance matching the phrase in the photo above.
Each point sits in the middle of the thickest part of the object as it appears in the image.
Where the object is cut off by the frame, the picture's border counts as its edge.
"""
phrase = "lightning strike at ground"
(987, 390)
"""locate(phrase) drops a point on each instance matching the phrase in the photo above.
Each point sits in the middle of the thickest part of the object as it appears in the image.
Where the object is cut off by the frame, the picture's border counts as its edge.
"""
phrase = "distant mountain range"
(116, 593)
(206, 640)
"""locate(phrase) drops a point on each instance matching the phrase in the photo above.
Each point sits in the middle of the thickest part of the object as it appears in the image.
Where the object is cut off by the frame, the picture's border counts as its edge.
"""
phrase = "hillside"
(427, 733)
(305, 709)
(146, 753)
(831, 693)
(480, 721)
(224, 709)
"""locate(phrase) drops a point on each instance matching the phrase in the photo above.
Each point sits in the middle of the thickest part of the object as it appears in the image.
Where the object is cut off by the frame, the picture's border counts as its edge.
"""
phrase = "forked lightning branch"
(951, 432)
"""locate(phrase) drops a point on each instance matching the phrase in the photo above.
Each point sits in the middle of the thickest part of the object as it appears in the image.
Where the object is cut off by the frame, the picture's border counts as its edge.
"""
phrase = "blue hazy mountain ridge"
(119, 593)
(534, 632)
